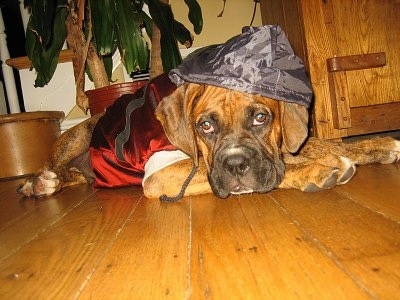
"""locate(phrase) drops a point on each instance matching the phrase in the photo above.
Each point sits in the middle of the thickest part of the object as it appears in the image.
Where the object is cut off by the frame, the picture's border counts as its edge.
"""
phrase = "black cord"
(222, 11)
(254, 11)
(178, 197)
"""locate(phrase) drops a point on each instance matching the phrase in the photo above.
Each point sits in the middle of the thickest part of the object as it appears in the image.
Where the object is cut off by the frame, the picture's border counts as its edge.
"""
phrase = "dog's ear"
(175, 114)
(294, 124)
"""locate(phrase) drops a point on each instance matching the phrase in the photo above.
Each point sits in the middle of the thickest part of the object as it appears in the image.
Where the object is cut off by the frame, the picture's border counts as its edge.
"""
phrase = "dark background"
(15, 38)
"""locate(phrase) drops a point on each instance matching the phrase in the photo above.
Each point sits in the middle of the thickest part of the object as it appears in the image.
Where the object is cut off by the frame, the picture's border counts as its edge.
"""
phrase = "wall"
(237, 13)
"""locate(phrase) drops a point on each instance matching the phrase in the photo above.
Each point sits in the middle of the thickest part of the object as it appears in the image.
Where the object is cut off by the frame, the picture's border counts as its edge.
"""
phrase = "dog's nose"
(236, 164)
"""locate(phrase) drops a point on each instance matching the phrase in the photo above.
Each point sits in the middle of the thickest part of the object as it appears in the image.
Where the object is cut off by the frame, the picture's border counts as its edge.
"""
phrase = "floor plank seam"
(325, 251)
(254, 233)
(348, 196)
(16, 220)
(106, 251)
(27, 213)
(43, 230)
(189, 253)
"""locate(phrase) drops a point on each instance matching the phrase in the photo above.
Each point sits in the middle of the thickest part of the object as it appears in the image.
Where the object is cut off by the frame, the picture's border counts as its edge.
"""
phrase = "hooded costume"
(129, 142)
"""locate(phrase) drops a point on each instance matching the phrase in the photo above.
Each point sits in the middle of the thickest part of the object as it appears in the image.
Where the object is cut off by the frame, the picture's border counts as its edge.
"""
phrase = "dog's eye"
(207, 127)
(259, 119)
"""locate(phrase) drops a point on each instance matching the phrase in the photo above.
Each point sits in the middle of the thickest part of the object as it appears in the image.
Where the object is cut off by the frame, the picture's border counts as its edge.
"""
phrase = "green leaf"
(182, 34)
(108, 64)
(195, 15)
(164, 19)
(45, 58)
(31, 41)
(147, 22)
(42, 18)
(103, 22)
(131, 44)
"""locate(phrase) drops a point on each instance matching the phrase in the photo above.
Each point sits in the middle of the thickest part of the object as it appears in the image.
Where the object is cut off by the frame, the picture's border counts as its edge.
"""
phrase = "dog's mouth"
(240, 189)
(242, 170)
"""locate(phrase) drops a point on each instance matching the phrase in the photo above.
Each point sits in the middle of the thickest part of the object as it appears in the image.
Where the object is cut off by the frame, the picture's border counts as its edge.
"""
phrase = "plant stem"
(156, 67)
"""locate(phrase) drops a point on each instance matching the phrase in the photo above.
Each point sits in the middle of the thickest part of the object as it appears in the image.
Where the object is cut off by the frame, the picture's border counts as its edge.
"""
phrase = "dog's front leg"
(309, 175)
(323, 164)
(169, 180)
(384, 150)
(68, 164)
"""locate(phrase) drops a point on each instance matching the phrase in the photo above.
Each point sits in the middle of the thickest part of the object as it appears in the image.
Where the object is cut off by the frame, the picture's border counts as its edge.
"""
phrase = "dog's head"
(239, 135)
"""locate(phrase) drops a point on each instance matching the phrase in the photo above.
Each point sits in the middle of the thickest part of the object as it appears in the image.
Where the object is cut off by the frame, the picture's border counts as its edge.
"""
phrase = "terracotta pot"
(27, 139)
(101, 98)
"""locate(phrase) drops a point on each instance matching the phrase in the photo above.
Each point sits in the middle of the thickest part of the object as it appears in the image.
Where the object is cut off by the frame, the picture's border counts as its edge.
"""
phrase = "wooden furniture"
(351, 51)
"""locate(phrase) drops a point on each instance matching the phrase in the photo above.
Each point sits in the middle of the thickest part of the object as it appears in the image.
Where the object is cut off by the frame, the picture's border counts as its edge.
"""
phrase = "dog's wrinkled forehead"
(258, 61)
(232, 111)
(230, 103)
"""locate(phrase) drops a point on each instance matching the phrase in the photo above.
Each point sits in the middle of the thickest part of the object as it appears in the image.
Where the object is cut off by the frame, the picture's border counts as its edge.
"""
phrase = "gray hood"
(258, 61)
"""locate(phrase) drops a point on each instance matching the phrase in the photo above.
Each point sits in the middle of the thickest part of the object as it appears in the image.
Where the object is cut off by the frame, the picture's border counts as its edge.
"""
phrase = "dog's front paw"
(313, 177)
(44, 184)
(347, 169)
(394, 153)
(386, 150)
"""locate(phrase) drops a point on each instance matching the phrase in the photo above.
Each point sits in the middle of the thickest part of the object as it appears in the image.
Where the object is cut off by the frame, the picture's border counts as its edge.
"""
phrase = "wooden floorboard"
(35, 216)
(84, 243)
(360, 241)
(249, 247)
(377, 189)
(150, 259)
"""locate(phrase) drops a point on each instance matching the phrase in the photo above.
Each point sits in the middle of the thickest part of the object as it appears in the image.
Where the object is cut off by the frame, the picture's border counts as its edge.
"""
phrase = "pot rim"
(33, 115)
(117, 86)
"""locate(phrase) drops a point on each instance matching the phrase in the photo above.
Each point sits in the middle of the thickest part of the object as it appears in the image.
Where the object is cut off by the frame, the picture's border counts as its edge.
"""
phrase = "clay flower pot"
(27, 139)
(101, 98)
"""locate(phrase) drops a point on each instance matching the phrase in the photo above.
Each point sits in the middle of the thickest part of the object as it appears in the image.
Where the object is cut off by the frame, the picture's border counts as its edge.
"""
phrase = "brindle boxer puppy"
(251, 144)
(241, 143)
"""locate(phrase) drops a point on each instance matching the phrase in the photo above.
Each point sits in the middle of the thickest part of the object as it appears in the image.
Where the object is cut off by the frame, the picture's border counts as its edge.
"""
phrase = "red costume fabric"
(119, 163)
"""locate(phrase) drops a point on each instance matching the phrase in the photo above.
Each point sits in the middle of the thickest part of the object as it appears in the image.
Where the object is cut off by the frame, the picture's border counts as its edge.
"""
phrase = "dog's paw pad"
(396, 151)
(347, 175)
(47, 175)
(312, 188)
(45, 184)
(348, 170)
(324, 181)
(48, 180)
(26, 188)
(330, 181)
(391, 152)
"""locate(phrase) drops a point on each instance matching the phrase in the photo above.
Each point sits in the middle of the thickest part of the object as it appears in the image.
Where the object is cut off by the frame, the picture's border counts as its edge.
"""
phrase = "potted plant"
(95, 29)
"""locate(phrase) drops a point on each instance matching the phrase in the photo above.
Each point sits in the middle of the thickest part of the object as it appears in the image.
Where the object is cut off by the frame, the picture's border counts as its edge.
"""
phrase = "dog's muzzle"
(242, 169)
(236, 164)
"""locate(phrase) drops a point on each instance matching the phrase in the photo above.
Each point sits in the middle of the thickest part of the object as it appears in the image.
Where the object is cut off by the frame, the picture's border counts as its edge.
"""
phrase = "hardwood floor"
(115, 244)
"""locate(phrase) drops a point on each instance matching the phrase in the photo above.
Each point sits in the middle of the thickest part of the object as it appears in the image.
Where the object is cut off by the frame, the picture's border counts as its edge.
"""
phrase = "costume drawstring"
(178, 197)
